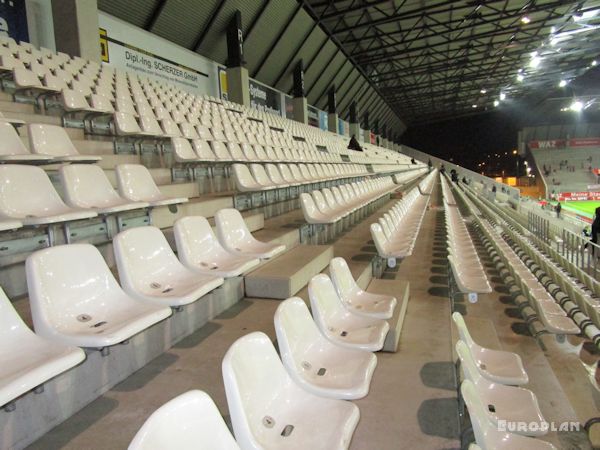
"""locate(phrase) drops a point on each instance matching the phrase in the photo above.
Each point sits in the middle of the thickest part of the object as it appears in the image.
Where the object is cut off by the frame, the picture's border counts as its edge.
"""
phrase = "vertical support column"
(76, 28)
(366, 127)
(383, 140)
(299, 102)
(354, 124)
(238, 83)
(376, 132)
(332, 118)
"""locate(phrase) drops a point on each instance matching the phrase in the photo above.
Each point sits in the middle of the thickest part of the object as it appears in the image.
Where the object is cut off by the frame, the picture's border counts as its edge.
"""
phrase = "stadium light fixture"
(525, 20)
(520, 78)
(502, 96)
(562, 83)
(483, 91)
(496, 102)
(576, 106)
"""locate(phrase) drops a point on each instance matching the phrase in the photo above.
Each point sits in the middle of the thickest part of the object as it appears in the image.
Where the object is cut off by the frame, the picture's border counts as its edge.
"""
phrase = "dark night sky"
(467, 140)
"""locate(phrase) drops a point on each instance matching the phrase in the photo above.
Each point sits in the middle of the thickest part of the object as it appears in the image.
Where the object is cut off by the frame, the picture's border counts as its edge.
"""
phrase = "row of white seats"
(463, 259)
(551, 314)
(319, 367)
(48, 144)
(201, 150)
(256, 177)
(76, 301)
(491, 389)
(28, 198)
(331, 205)
(78, 80)
(396, 232)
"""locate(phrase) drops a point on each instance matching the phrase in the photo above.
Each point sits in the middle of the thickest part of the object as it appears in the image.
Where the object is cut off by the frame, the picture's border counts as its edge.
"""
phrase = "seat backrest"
(194, 238)
(25, 77)
(10, 141)
(220, 150)
(254, 377)
(102, 103)
(477, 412)
(126, 123)
(11, 324)
(379, 238)
(182, 149)
(330, 199)
(141, 252)
(258, 171)
(136, 183)
(67, 281)
(188, 130)
(190, 420)
(274, 174)
(468, 363)
(243, 178)
(324, 300)
(320, 201)
(342, 277)
(309, 209)
(463, 331)
(86, 186)
(296, 331)
(26, 191)
(149, 124)
(203, 150)
(50, 140)
(231, 227)
(235, 151)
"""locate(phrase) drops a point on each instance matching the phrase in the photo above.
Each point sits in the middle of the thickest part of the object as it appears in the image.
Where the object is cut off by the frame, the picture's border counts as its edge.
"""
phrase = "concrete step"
(289, 273)
(205, 206)
(401, 290)
(8, 107)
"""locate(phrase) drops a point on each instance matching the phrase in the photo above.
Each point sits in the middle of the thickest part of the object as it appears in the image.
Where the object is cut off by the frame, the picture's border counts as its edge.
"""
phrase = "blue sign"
(13, 20)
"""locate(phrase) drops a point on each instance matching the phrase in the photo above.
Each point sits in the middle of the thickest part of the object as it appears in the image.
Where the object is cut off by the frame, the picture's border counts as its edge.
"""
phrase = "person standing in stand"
(558, 209)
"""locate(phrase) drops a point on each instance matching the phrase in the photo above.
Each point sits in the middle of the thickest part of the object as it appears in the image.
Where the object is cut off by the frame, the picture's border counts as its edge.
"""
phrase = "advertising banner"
(313, 116)
(13, 20)
(567, 196)
(126, 47)
(562, 143)
(323, 120)
(264, 98)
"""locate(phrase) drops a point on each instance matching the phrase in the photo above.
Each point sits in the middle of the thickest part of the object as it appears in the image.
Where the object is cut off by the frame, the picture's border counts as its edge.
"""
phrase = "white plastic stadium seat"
(200, 251)
(53, 140)
(270, 411)
(317, 365)
(355, 299)
(496, 365)
(27, 195)
(150, 271)
(510, 403)
(190, 421)
(8, 224)
(235, 237)
(487, 435)
(339, 325)
(76, 300)
(86, 186)
(12, 149)
(27, 359)
(136, 184)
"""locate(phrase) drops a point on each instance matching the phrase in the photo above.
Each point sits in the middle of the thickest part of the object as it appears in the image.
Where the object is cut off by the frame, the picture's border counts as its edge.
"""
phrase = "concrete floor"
(412, 403)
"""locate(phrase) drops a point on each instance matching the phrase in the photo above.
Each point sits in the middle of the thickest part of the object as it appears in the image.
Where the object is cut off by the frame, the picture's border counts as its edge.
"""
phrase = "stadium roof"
(405, 61)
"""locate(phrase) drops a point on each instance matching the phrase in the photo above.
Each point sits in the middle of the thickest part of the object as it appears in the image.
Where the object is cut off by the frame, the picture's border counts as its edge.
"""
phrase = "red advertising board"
(567, 196)
(562, 143)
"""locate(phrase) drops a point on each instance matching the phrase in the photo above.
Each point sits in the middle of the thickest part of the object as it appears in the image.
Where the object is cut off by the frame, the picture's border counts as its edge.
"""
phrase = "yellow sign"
(104, 46)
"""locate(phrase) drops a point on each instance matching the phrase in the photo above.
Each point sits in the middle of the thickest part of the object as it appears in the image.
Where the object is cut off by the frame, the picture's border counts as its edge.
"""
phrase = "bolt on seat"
(199, 250)
(360, 302)
(235, 237)
(316, 364)
(86, 186)
(270, 411)
(135, 183)
(27, 195)
(28, 360)
(150, 271)
(75, 299)
(188, 422)
(339, 325)
(495, 365)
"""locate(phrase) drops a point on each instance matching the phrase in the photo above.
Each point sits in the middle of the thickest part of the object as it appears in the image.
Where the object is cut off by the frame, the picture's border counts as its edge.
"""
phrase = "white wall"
(40, 24)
